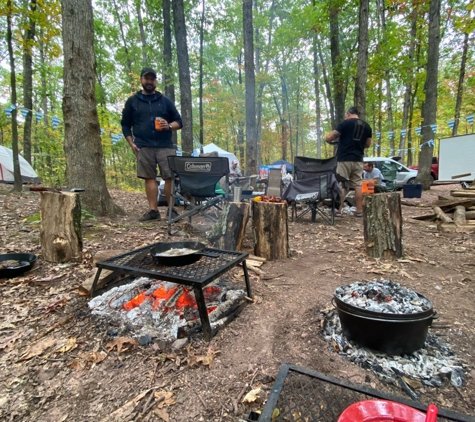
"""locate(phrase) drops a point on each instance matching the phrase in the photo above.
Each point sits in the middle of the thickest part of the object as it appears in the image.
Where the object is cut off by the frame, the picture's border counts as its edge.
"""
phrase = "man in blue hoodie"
(148, 119)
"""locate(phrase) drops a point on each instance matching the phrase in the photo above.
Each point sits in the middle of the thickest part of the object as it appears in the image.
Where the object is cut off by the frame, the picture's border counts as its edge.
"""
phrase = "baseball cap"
(147, 70)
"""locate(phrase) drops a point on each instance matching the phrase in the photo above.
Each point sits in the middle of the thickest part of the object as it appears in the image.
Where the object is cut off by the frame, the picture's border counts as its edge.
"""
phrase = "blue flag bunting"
(8, 111)
(451, 124)
(470, 119)
(403, 133)
(378, 135)
(391, 134)
(24, 112)
(55, 120)
(39, 116)
(418, 130)
(434, 128)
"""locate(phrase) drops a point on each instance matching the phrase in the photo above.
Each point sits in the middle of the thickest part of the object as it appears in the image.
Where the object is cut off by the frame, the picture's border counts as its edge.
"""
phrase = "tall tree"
(429, 108)
(82, 144)
(29, 37)
(362, 62)
(251, 140)
(458, 103)
(16, 162)
(184, 76)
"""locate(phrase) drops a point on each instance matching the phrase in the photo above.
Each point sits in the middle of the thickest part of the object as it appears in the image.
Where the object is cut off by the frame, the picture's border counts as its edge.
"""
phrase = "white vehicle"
(404, 175)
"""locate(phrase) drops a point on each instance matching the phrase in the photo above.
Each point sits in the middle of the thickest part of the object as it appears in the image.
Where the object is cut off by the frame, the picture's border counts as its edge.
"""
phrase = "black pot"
(394, 334)
(27, 262)
(181, 260)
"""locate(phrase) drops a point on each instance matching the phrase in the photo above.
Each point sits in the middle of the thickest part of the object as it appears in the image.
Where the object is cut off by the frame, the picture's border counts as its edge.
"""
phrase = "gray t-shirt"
(375, 174)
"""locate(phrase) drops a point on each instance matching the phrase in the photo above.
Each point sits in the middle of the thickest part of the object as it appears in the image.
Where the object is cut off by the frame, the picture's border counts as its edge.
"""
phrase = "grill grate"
(301, 394)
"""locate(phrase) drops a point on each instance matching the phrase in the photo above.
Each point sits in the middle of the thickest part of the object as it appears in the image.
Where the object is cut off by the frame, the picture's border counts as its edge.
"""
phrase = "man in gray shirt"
(372, 172)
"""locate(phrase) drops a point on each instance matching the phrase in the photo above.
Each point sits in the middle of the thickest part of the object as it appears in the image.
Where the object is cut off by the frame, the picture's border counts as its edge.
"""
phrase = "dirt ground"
(58, 362)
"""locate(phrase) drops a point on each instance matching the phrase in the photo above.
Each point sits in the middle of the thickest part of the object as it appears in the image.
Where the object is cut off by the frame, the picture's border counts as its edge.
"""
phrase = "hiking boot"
(150, 215)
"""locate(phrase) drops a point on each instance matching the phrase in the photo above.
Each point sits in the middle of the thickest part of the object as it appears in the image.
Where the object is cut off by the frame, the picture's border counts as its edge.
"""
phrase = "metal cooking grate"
(301, 395)
(141, 262)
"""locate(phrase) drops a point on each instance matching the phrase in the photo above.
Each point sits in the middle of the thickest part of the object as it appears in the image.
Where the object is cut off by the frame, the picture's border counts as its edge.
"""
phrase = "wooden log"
(269, 225)
(447, 228)
(470, 215)
(441, 215)
(425, 217)
(447, 204)
(105, 277)
(459, 216)
(382, 222)
(60, 230)
(464, 193)
(229, 231)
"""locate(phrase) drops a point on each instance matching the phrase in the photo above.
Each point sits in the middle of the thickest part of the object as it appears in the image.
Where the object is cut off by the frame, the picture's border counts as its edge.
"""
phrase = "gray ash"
(383, 296)
(432, 365)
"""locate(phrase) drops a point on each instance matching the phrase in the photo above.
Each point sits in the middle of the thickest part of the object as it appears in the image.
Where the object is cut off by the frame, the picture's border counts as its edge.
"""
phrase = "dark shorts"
(149, 158)
(351, 171)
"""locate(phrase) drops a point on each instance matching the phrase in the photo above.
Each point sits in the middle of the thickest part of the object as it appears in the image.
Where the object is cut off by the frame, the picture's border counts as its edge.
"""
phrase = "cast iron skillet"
(27, 262)
(178, 261)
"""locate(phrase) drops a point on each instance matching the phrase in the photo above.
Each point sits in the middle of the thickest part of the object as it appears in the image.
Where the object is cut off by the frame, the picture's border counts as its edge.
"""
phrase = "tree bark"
(60, 231)
(82, 145)
(382, 222)
(459, 216)
(28, 81)
(458, 103)
(316, 79)
(429, 108)
(337, 62)
(271, 236)
(251, 140)
(184, 76)
(143, 38)
(362, 61)
(229, 231)
(16, 162)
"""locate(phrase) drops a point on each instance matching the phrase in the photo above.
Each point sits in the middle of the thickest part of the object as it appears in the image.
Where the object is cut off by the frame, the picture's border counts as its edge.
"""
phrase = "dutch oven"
(26, 261)
(195, 253)
(391, 333)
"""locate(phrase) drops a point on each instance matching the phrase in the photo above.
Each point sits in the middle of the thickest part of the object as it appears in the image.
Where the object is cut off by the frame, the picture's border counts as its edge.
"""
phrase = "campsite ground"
(47, 333)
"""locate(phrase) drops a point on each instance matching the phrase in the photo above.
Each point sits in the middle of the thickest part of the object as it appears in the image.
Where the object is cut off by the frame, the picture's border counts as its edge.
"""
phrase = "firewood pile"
(455, 212)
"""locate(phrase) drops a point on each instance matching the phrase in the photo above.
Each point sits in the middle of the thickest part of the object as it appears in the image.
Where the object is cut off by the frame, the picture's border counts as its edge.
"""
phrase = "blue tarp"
(279, 163)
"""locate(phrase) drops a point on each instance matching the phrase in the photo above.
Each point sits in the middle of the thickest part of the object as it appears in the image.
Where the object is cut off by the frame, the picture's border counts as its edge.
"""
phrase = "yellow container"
(367, 186)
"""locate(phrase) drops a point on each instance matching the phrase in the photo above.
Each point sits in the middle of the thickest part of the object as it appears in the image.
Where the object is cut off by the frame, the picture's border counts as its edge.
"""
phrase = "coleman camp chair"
(198, 179)
(314, 182)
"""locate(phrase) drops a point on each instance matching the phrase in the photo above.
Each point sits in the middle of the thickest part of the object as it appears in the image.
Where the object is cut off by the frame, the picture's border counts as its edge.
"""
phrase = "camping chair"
(274, 183)
(198, 179)
(389, 172)
(314, 182)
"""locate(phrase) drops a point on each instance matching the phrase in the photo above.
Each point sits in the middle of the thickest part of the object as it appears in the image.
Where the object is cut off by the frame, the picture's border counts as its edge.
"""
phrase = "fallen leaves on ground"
(252, 395)
(37, 349)
(122, 344)
(205, 360)
(165, 398)
(88, 358)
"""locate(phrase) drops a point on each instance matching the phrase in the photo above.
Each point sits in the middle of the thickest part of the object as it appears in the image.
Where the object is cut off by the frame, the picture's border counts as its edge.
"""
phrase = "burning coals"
(430, 365)
(383, 296)
(160, 308)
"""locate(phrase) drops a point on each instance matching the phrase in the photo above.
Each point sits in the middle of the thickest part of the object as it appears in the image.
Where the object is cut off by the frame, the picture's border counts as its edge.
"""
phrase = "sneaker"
(150, 215)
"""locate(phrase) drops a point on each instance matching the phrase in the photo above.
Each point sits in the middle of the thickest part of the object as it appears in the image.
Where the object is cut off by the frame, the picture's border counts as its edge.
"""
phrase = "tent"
(6, 168)
(214, 148)
(278, 164)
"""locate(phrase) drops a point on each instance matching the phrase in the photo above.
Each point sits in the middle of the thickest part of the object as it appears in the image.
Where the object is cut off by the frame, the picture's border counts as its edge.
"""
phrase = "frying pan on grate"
(195, 253)
(25, 262)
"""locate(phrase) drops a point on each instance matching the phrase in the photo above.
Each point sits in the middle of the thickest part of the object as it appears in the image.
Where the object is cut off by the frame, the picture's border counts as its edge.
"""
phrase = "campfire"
(164, 309)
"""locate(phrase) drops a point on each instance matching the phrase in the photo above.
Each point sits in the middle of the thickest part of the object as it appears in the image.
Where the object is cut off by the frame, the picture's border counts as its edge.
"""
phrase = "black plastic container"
(394, 334)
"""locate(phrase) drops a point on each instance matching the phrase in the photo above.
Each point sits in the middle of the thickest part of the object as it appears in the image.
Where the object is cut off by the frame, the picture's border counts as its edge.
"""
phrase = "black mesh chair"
(198, 179)
(314, 183)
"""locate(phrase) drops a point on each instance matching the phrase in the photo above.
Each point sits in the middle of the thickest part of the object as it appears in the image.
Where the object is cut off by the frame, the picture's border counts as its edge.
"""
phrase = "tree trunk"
(202, 24)
(362, 65)
(271, 236)
(60, 230)
(124, 40)
(28, 82)
(143, 39)
(318, 112)
(429, 108)
(458, 103)
(337, 62)
(251, 140)
(82, 145)
(168, 75)
(229, 231)
(184, 76)
(16, 162)
(382, 223)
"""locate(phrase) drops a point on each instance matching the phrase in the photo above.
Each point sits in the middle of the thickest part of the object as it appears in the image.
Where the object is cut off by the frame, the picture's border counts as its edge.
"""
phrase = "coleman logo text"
(201, 167)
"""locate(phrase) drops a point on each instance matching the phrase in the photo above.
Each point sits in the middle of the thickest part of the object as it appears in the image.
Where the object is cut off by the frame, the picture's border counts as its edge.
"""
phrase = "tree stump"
(269, 225)
(382, 221)
(60, 231)
(229, 231)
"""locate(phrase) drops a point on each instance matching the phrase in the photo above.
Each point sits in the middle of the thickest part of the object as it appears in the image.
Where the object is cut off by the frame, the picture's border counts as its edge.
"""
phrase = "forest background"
(263, 79)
